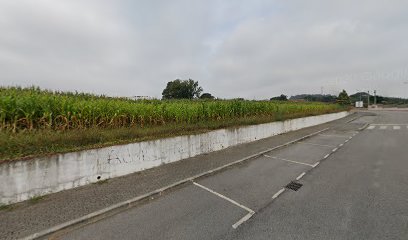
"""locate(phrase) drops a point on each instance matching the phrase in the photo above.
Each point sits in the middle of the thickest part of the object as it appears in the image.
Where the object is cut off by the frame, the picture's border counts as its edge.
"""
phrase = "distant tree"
(380, 99)
(344, 98)
(179, 89)
(314, 97)
(282, 97)
(206, 96)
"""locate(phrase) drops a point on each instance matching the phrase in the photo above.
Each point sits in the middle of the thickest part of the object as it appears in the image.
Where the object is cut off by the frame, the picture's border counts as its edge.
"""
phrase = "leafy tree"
(179, 89)
(344, 98)
(206, 96)
(282, 97)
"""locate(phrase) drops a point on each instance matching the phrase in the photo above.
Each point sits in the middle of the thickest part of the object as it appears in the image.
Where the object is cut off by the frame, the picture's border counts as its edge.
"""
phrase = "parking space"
(301, 153)
(254, 183)
(328, 140)
(223, 201)
(333, 134)
(187, 212)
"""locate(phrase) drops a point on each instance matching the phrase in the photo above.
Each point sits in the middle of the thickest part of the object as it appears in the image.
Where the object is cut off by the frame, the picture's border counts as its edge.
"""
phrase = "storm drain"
(294, 186)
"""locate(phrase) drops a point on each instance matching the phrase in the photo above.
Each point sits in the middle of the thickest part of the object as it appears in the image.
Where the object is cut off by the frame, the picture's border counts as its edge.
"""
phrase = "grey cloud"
(253, 49)
(300, 52)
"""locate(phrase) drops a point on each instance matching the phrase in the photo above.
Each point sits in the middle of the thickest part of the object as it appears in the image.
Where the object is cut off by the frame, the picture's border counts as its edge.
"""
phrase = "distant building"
(142, 98)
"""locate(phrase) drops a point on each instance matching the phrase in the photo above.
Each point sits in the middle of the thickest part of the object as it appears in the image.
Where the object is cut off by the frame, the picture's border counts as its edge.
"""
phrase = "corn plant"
(26, 109)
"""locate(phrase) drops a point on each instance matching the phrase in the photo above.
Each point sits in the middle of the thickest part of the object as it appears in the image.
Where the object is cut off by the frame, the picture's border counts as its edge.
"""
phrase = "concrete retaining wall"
(22, 180)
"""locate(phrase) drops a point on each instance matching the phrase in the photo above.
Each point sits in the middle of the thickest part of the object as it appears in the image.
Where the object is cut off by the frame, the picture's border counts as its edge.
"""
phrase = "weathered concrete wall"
(22, 180)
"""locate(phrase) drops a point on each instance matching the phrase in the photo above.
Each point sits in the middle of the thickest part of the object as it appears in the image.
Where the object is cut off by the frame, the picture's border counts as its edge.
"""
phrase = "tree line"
(190, 89)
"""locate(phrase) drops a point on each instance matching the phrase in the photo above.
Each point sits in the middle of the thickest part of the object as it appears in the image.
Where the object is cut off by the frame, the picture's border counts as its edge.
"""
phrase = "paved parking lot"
(215, 206)
(361, 192)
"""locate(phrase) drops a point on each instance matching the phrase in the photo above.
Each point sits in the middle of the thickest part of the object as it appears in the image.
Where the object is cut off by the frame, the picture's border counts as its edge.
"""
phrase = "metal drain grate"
(294, 186)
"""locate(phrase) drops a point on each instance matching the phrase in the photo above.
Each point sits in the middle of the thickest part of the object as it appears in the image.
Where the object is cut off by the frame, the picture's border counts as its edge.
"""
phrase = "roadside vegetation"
(380, 100)
(36, 122)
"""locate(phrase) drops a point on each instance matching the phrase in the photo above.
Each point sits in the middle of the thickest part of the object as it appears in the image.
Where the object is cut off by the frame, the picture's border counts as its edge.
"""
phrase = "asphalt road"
(355, 186)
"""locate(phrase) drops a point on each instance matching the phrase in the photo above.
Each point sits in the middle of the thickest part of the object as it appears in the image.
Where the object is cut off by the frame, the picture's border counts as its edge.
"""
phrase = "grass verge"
(4, 207)
(35, 199)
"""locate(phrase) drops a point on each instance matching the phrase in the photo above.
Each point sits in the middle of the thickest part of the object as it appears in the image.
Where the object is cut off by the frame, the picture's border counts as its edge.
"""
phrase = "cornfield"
(32, 108)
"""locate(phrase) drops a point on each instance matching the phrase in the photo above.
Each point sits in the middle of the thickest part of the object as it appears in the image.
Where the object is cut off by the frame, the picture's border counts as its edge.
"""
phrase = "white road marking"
(315, 144)
(223, 197)
(316, 164)
(397, 127)
(286, 160)
(347, 141)
(371, 127)
(242, 220)
(326, 135)
(300, 176)
(341, 145)
(383, 127)
(334, 149)
(278, 193)
(328, 155)
(350, 138)
(389, 124)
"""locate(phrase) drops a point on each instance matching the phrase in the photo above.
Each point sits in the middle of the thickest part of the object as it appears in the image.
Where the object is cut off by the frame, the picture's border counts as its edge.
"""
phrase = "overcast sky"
(251, 49)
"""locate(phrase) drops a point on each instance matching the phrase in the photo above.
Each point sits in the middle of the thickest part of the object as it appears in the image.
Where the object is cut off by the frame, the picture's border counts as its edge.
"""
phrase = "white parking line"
(223, 197)
(242, 220)
(326, 135)
(315, 144)
(278, 193)
(300, 176)
(286, 160)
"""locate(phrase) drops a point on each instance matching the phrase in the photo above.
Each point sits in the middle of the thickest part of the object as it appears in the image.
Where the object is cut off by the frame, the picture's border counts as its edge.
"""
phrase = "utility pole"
(368, 100)
(375, 97)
